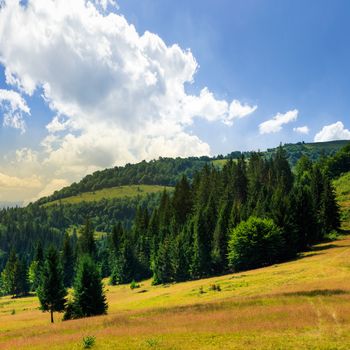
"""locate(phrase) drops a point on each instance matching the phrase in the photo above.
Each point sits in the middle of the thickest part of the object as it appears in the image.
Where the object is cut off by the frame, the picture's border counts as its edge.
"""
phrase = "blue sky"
(81, 88)
(280, 55)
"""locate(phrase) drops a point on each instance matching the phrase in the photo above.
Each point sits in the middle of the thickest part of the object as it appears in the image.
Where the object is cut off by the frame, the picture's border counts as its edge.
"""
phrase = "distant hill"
(167, 171)
(111, 193)
(5, 204)
(161, 172)
(313, 150)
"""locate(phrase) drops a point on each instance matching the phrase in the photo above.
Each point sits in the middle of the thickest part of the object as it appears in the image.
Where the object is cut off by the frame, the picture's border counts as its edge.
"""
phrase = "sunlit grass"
(111, 193)
(301, 304)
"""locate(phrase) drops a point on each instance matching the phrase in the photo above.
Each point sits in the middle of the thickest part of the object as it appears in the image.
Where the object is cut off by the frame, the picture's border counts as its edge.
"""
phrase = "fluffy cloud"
(51, 187)
(238, 110)
(331, 132)
(302, 129)
(118, 96)
(18, 188)
(7, 181)
(14, 108)
(275, 124)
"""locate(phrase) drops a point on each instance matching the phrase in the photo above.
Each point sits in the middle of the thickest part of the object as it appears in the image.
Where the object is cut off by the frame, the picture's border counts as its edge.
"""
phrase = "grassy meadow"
(111, 193)
(303, 304)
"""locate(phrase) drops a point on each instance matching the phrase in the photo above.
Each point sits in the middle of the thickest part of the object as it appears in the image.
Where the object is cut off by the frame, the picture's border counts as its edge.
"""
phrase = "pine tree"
(22, 283)
(124, 264)
(182, 201)
(162, 264)
(88, 296)
(34, 273)
(86, 240)
(220, 238)
(51, 291)
(9, 273)
(329, 211)
(68, 261)
(202, 238)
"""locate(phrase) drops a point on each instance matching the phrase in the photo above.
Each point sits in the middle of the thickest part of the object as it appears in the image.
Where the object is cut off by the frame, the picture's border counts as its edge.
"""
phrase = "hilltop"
(168, 171)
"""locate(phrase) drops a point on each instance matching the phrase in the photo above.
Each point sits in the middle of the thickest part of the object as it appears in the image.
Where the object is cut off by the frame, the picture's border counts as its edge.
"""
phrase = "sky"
(86, 85)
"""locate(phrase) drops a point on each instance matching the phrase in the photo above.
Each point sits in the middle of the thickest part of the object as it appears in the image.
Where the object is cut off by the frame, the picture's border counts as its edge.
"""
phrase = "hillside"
(111, 193)
(303, 304)
(167, 171)
(161, 172)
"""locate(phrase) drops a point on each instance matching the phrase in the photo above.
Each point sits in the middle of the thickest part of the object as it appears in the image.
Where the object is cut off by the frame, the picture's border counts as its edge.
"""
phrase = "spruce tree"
(51, 291)
(88, 296)
(329, 211)
(68, 261)
(162, 265)
(86, 240)
(9, 273)
(220, 238)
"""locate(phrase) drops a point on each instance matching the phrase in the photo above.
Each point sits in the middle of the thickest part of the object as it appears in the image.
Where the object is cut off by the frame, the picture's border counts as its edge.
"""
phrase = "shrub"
(88, 342)
(134, 285)
(254, 243)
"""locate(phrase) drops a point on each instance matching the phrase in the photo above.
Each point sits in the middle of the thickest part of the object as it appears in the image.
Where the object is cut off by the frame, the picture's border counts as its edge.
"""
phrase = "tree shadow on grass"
(317, 292)
(326, 246)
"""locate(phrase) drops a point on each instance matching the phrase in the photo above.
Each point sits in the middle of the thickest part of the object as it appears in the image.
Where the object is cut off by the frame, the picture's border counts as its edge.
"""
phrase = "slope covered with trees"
(168, 171)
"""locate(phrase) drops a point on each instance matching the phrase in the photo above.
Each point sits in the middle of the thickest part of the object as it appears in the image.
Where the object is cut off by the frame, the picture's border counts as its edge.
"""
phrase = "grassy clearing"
(111, 193)
(303, 304)
(342, 186)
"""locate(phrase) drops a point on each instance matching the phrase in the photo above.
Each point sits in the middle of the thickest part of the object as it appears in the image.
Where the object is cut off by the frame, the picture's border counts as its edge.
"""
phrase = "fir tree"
(8, 275)
(86, 240)
(68, 261)
(51, 291)
(88, 296)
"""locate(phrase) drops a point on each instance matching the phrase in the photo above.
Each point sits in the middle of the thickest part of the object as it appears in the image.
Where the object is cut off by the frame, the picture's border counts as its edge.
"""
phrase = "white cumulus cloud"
(302, 129)
(14, 108)
(118, 96)
(238, 110)
(275, 124)
(336, 131)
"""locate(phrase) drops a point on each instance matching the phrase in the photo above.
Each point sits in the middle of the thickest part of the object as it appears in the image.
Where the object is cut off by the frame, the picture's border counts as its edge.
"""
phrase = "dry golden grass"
(303, 304)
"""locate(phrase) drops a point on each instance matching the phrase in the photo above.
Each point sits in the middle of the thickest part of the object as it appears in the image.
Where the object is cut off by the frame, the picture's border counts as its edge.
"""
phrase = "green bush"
(134, 285)
(255, 243)
(88, 342)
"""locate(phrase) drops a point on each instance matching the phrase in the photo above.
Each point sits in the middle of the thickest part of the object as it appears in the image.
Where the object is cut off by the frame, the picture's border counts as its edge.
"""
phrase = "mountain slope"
(111, 193)
(167, 171)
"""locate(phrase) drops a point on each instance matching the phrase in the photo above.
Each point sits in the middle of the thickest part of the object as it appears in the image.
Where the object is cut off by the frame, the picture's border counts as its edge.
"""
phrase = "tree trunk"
(51, 316)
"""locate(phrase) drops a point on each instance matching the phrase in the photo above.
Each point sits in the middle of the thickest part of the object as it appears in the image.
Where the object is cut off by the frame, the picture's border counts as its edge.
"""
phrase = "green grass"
(111, 193)
(302, 304)
(220, 162)
(342, 186)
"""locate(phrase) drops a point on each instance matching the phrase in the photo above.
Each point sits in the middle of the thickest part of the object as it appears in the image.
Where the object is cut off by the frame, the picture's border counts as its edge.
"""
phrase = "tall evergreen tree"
(86, 240)
(329, 211)
(88, 296)
(9, 274)
(51, 291)
(68, 260)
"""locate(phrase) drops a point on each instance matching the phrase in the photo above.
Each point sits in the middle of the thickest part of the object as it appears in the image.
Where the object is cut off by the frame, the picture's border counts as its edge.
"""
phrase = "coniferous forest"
(249, 213)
